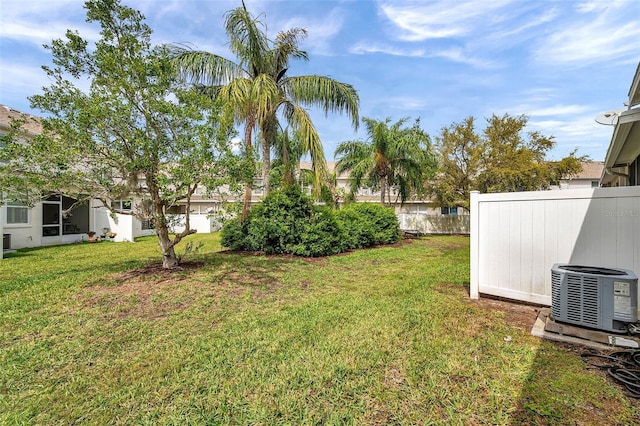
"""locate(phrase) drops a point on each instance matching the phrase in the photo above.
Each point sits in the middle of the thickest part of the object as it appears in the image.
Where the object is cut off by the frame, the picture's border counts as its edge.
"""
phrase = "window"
(449, 211)
(595, 184)
(147, 224)
(122, 205)
(17, 214)
(179, 209)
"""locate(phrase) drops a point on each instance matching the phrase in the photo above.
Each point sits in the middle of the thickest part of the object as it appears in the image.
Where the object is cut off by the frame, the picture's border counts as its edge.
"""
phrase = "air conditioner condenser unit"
(595, 297)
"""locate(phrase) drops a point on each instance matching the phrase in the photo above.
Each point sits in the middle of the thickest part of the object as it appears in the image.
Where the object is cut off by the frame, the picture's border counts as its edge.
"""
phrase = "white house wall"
(202, 223)
(27, 235)
(517, 237)
(124, 225)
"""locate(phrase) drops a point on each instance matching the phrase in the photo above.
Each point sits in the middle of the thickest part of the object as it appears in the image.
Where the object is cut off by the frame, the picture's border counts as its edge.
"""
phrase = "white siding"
(517, 237)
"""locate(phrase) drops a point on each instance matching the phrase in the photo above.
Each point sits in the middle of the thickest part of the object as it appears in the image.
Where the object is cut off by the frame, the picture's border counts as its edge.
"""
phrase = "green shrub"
(324, 236)
(370, 224)
(358, 232)
(274, 226)
(287, 222)
(233, 235)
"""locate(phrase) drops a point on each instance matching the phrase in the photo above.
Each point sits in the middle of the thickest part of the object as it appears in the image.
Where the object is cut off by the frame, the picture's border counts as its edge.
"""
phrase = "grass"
(382, 336)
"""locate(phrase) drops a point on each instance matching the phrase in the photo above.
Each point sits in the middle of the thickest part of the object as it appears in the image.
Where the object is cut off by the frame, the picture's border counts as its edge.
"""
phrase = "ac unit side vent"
(556, 281)
(594, 297)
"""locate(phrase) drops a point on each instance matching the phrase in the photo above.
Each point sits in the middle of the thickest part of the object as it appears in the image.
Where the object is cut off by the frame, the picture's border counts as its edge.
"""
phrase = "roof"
(624, 147)
(331, 167)
(591, 170)
(625, 142)
(32, 126)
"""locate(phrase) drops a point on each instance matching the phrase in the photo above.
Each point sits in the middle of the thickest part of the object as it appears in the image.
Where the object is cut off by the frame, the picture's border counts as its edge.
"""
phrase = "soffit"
(625, 142)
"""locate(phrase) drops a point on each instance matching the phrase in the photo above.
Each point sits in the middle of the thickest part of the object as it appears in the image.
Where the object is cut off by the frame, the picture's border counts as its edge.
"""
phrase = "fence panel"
(434, 224)
(517, 237)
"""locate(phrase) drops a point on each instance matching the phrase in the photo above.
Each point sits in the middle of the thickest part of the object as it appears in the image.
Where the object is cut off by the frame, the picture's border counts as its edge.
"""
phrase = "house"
(57, 219)
(51, 221)
(622, 163)
(589, 177)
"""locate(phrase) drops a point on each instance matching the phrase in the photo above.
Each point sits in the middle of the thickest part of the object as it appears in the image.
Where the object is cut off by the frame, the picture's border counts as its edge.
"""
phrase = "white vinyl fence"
(517, 237)
(433, 224)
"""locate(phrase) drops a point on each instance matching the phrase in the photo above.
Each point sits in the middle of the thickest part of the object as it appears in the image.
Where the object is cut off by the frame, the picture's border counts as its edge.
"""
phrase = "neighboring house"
(589, 177)
(52, 221)
(622, 164)
(45, 224)
(413, 205)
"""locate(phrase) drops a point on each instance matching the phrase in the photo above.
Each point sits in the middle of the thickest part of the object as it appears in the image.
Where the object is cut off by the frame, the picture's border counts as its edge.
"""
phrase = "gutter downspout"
(610, 172)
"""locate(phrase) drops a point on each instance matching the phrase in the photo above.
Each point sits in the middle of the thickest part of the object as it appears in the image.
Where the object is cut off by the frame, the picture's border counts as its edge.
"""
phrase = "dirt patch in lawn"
(156, 270)
(153, 292)
(518, 315)
(150, 291)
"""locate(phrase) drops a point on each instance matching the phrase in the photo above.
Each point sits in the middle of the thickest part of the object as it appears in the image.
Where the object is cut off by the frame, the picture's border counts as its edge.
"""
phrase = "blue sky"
(560, 62)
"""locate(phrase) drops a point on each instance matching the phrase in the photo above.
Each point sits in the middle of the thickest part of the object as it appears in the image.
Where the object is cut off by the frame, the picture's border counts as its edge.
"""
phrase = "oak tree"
(500, 158)
(119, 125)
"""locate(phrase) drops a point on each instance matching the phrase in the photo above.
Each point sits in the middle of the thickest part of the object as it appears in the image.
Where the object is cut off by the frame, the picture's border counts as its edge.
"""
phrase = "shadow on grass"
(558, 390)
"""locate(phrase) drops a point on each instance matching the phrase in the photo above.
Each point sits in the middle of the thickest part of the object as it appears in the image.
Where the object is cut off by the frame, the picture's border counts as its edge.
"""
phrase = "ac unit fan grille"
(582, 299)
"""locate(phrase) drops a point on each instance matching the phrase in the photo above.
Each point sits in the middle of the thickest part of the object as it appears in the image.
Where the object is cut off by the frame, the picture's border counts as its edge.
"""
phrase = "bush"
(324, 236)
(233, 235)
(287, 222)
(369, 224)
(358, 232)
(274, 226)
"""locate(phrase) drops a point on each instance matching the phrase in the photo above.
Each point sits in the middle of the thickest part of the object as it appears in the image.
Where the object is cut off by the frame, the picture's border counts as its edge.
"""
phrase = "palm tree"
(260, 90)
(393, 158)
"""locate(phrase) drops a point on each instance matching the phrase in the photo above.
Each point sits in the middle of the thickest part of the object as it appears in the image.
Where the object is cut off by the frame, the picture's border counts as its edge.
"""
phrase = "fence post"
(474, 207)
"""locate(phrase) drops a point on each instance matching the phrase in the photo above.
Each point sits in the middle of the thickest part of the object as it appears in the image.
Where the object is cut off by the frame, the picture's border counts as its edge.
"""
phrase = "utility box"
(6, 241)
(595, 297)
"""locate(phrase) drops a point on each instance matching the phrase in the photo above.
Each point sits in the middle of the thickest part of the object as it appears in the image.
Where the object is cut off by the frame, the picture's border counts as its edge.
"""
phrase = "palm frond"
(204, 68)
(247, 40)
(324, 92)
(310, 142)
(286, 47)
(265, 95)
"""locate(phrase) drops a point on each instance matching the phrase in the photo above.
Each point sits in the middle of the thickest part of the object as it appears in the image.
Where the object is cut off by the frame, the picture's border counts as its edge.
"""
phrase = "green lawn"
(381, 336)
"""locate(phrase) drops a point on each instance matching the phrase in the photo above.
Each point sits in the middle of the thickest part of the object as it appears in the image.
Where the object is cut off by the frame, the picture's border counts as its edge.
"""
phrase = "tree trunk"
(169, 258)
(246, 203)
(167, 247)
(269, 134)
(288, 168)
(266, 164)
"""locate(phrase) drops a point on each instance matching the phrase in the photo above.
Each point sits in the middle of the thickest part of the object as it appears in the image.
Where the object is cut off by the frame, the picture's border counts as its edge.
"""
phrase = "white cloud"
(320, 31)
(457, 54)
(441, 19)
(557, 110)
(606, 31)
(526, 26)
(367, 47)
(406, 103)
(33, 33)
(23, 78)
(40, 22)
